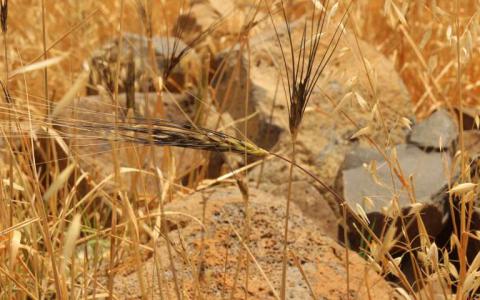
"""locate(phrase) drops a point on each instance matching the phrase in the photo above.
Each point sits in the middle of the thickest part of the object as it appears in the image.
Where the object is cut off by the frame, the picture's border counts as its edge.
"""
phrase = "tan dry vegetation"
(96, 218)
(421, 39)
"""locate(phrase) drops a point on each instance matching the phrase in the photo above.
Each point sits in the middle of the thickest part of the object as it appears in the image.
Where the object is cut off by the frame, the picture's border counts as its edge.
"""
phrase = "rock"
(474, 244)
(429, 179)
(444, 240)
(324, 137)
(435, 289)
(135, 62)
(236, 94)
(426, 168)
(473, 248)
(309, 200)
(470, 116)
(231, 83)
(321, 259)
(472, 142)
(223, 20)
(325, 134)
(94, 149)
(275, 173)
(359, 156)
(437, 132)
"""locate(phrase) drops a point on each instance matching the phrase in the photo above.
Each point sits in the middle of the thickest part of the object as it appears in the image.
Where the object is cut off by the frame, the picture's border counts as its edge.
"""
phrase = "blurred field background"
(418, 36)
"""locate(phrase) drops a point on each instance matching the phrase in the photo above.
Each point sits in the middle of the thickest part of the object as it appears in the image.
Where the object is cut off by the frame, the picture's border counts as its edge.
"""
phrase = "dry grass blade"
(462, 188)
(6, 94)
(70, 240)
(15, 243)
(38, 65)
(59, 182)
(70, 95)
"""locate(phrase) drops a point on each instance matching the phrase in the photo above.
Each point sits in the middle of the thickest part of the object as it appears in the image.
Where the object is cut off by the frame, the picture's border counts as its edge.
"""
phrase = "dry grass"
(63, 229)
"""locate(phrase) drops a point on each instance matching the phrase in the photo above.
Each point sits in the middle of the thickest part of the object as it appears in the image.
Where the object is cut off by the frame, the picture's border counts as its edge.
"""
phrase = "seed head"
(305, 66)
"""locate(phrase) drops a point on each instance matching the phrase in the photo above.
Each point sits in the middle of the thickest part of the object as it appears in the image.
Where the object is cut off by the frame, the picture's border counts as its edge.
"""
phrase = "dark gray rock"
(468, 117)
(473, 244)
(471, 140)
(454, 221)
(439, 131)
(427, 171)
(443, 240)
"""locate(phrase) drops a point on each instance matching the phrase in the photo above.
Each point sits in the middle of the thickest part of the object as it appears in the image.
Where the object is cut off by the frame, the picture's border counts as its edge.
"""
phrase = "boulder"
(374, 191)
(217, 249)
(439, 131)
(454, 221)
(306, 196)
(94, 148)
(427, 170)
(325, 133)
(136, 71)
(470, 118)
(232, 91)
(472, 142)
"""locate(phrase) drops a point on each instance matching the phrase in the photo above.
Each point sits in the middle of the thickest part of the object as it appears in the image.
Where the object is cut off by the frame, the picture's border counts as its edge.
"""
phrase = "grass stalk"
(283, 288)
(113, 223)
(59, 285)
(462, 251)
(9, 210)
(298, 264)
(347, 256)
(243, 185)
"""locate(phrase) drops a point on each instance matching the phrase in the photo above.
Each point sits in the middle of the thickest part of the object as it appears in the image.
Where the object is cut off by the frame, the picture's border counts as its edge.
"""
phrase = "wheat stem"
(287, 218)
